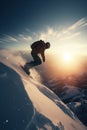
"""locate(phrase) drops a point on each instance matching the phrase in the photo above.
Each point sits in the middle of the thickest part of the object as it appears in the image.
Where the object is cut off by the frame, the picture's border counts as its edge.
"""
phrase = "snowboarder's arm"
(43, 56)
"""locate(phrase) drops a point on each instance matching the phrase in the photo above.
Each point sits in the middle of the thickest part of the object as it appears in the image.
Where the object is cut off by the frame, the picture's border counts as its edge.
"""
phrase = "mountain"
(27, 104)
(72, 90)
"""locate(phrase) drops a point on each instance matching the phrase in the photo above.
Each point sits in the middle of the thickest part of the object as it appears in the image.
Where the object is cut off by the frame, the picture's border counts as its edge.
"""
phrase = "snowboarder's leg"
(37, 60)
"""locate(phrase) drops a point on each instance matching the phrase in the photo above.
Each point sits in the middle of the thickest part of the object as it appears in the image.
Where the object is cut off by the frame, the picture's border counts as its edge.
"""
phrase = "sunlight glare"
(67, 57)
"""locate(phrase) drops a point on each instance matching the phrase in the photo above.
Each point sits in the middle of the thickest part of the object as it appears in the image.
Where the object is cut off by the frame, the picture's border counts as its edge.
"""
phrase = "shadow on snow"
(16, 109)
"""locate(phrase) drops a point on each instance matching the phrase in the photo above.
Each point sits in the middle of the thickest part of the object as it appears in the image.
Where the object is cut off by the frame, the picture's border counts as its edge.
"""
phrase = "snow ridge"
(28, 104)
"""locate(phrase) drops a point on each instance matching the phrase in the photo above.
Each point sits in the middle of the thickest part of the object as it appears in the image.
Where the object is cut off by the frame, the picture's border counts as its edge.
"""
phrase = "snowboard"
(25, 70)
(28, 66)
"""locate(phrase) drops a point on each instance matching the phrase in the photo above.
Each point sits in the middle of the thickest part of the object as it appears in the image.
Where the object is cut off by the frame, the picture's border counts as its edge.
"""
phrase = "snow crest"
(27, 104)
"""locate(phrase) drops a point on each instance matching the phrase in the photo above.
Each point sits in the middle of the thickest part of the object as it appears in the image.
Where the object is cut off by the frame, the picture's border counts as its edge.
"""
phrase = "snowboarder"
(37, 47)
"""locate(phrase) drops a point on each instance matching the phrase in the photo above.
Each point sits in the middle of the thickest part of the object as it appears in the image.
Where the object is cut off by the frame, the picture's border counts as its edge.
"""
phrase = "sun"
(64, 62)
(67, 57)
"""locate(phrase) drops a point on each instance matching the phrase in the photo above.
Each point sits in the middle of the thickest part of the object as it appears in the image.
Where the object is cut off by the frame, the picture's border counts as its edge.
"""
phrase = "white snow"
(49, 112)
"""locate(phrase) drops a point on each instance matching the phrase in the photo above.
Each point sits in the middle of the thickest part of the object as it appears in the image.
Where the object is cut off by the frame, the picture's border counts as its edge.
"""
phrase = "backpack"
(38, 44)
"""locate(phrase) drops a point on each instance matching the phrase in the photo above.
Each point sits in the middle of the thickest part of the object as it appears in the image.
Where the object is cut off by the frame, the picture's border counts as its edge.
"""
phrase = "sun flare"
(65, 62)
(67, 57)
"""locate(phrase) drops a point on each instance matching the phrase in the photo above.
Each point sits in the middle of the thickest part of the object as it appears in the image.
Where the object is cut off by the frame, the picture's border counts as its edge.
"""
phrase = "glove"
(43, 60)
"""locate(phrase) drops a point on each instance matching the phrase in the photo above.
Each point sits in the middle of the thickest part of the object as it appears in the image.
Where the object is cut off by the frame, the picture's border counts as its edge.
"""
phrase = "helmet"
(47, 45)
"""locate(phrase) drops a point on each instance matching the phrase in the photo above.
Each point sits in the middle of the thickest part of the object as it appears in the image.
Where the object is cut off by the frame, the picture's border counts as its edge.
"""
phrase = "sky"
(61, 22)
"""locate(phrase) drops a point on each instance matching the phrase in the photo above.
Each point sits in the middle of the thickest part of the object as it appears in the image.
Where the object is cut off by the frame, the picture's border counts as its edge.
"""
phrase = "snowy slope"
(26, 104)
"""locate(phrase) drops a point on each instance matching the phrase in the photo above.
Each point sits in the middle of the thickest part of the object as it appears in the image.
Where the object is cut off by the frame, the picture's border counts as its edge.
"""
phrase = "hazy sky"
(24, 21)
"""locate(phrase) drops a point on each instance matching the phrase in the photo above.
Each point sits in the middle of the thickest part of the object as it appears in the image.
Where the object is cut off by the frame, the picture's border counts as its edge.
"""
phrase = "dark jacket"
(40, 49)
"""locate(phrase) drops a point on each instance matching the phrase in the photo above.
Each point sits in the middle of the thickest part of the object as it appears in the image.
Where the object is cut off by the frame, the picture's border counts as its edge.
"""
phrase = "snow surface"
(26, 104)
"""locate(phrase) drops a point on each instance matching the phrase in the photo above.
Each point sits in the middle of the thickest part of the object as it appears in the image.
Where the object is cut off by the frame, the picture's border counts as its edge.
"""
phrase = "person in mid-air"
(38, 47)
